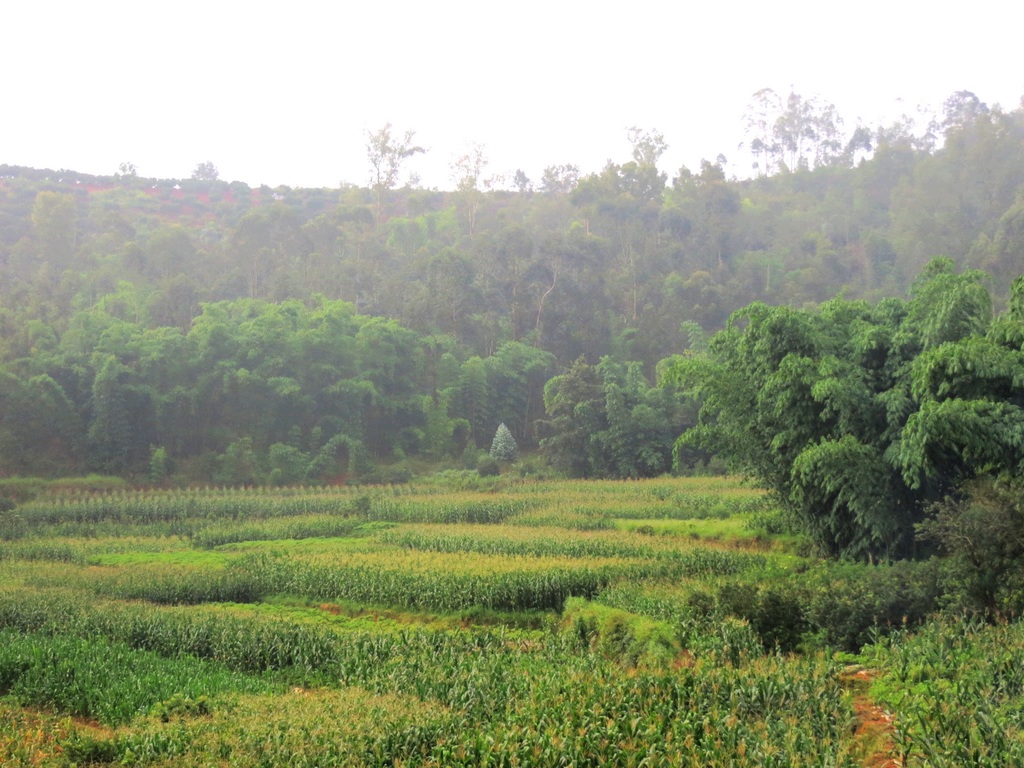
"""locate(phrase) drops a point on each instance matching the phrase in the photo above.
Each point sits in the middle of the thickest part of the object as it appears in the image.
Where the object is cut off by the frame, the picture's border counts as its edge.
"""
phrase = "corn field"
(425, 627)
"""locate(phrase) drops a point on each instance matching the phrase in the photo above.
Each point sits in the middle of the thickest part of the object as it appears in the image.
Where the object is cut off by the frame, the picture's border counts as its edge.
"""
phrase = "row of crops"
(565, 502)
(548, 624)
(494, 699)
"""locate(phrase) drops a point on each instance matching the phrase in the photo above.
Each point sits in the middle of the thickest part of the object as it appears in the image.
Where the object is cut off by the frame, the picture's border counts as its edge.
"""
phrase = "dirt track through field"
(873, 726)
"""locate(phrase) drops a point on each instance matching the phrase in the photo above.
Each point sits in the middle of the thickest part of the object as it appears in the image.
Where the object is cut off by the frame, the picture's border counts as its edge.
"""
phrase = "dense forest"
(208, 331)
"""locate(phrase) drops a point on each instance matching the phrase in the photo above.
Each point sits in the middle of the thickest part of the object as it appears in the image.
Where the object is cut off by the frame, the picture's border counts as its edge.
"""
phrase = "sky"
(285, 93)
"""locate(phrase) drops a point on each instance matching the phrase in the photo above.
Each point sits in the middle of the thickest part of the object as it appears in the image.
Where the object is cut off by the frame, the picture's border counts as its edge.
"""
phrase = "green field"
(656, 623)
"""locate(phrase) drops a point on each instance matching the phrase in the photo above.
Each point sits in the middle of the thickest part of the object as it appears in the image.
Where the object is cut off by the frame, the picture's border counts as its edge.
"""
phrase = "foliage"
(954, 688)
(488, 466)
(503, 447)
(620, 635)
(607, 421)
(412, 322)
(854, 415)
(109, 682)
(837, 606)
(257, 393)
(982, 532)
(849, 605)
(31, 738)
(206, 171)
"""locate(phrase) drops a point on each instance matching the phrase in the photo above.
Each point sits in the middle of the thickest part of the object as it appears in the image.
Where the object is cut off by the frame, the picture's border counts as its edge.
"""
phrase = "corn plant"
(955, 689)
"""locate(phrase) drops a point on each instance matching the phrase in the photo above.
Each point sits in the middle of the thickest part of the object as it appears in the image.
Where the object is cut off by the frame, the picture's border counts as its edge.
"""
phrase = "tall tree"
(648, 145)
(122, 427)
(608, 421)
(205, 172)
(760, 117)
(560, 179)
(574, 402)
(467, 173)
(386, 154)
(855, 416)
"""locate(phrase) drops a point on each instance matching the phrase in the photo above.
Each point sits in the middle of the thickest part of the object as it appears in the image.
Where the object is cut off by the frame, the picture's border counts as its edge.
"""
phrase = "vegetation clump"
(857, 416)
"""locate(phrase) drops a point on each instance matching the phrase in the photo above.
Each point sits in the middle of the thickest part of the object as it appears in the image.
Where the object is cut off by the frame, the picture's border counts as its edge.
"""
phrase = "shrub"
(488, 467)
(394, 474)
(847, 605)
(618, 634)
(470, 456)
(775, 613)
(983, 535)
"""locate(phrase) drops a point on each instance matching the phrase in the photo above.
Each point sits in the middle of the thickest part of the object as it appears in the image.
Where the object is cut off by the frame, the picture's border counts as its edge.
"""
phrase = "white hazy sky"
(284, 92)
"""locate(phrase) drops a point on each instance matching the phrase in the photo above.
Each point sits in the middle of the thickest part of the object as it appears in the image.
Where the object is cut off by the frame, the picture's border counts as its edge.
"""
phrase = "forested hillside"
(243, 335)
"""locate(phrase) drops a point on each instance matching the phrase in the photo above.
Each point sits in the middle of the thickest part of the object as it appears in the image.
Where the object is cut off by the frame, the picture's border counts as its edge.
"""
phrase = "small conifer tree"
(503, 447)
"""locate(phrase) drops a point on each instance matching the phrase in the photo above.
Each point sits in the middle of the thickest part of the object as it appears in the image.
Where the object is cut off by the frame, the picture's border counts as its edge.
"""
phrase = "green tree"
(516, 375)
(205, 172)
(239, 465)
(123, 420)
(472, 399)
(759, 119)
(608, 421)
(40, 431)
(467, 173)
(169, 252)
(642, 421)
(560, 179)
(575, 406)
(503, 446)
(386, 154)
(126, 172)
(648, 146)
(266, 239)
(159, 466)
(287, 464)
(856, 416)
(981, 530)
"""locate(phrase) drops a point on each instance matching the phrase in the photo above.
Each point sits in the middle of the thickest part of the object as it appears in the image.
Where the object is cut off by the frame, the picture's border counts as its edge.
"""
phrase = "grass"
(349, 616)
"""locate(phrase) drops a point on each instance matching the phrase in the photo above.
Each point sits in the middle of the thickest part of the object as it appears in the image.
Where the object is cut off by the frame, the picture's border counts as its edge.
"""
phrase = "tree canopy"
(257, 391)
(857, 415)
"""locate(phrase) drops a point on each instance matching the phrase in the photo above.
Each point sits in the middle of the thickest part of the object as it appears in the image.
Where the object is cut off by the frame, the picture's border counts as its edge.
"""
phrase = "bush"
(464, 480)
(847, 605)
(470, 456)
(394, 474)
(840, 606)
(621, 635)
(773, 521)
(775, 613)
(21, 489)
(11, 524)
(983, 535)
(488, 467)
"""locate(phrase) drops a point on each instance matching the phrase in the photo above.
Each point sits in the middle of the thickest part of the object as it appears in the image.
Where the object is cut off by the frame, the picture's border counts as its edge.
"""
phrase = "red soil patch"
(872, 725)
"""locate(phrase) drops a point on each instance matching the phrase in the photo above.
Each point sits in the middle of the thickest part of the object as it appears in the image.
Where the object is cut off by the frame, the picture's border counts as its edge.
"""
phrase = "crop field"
(658, 623)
